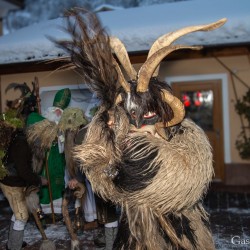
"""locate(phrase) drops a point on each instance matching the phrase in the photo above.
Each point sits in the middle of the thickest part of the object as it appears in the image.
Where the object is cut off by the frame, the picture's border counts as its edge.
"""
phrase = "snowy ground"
(55, 232)
(229, 217)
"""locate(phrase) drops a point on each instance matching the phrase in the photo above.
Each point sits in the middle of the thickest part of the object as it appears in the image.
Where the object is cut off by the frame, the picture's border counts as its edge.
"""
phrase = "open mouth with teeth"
(149, 115)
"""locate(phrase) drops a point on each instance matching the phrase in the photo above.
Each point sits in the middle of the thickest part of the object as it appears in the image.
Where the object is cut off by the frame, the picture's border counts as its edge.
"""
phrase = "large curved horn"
(176, 106)
(23, 87)
(123, 57)
(118, 99)
(169, 38)
(121, 78)
(148, 68)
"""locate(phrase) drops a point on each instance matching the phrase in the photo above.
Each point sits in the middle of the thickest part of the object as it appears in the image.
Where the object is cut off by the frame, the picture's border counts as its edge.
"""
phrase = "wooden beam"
(27, 67)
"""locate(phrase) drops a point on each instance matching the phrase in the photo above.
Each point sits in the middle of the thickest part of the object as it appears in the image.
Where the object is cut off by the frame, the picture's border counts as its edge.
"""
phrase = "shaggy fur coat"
(139, 151)
(159, 184)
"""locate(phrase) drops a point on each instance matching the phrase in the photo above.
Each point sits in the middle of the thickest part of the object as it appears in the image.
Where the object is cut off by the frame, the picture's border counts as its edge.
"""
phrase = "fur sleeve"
(185, 169)
(100, 152)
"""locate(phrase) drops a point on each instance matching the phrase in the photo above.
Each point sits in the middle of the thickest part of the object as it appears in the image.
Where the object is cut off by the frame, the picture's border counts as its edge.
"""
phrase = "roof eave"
(135, 57)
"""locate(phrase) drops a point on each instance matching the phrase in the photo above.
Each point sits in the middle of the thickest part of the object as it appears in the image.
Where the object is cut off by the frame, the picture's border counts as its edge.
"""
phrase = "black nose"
(138, 123)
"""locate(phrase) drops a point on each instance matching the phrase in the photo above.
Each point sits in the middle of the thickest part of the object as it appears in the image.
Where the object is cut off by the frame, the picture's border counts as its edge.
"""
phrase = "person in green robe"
(51, 161)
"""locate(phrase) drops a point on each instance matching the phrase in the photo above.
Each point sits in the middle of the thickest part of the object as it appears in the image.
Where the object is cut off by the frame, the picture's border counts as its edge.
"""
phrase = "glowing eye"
(149, 115)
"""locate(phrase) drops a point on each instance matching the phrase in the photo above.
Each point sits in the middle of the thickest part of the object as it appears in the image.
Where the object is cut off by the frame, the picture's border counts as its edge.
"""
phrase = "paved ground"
(229, 215)
(230, 219)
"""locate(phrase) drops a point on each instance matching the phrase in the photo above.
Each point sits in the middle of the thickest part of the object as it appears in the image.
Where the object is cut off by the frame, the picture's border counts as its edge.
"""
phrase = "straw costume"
(139, 151)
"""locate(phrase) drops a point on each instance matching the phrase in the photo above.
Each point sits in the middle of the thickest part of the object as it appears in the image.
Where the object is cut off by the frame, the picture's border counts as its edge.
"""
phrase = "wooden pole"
(67, 220)
(46, 244)
(36, 84)
(38, 100)
(49, 188)
(39, 225)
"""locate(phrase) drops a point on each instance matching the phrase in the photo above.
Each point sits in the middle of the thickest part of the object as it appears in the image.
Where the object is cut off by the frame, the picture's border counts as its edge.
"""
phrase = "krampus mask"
(27, 102)
(147, 100)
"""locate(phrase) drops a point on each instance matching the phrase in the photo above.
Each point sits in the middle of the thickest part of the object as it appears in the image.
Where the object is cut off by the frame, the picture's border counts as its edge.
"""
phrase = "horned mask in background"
(28, 100)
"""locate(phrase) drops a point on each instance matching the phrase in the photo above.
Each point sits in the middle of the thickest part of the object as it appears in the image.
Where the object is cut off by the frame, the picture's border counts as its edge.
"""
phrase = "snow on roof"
(138, 28)
(107, 7)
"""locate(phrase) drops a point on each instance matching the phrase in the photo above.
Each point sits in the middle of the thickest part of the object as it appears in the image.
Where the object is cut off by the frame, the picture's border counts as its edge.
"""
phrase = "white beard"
(52, 115)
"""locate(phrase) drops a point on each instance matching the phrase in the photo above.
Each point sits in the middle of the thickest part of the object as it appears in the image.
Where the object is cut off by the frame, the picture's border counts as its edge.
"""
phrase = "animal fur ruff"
(172, 182)
(40, 138)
